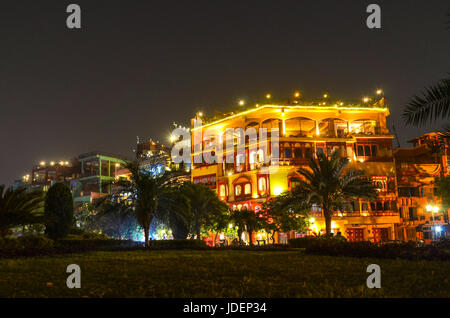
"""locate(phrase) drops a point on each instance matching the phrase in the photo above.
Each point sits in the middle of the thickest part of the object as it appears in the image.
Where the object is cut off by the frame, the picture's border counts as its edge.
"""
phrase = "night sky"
(137, 66)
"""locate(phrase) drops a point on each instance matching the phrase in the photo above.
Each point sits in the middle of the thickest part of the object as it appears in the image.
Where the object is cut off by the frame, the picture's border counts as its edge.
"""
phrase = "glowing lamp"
(268, 96)
(241, 102)
(277, 190)
(379, 92)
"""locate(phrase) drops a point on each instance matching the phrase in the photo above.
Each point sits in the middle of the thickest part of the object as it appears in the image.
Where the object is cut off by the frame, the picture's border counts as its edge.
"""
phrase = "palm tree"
(206, 211)
(432, 104)
(327, 183)
(115, 218)
(19, 207)
(148, 192)
(249, 221)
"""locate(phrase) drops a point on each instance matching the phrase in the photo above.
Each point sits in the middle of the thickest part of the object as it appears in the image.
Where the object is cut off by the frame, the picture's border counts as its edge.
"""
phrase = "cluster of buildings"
(407, 207)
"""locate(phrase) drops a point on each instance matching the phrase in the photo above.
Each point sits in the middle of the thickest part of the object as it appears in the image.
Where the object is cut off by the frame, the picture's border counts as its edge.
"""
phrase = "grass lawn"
(193, 273)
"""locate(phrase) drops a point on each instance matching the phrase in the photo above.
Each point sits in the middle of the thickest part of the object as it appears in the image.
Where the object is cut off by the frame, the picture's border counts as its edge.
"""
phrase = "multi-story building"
(359, 132)
(97, 173)
(46, 174)
(422, 215)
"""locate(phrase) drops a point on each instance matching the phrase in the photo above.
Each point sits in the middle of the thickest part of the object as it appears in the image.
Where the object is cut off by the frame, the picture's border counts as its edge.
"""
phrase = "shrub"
(268, 247)
(331, 247)
(58, 212)
(178, 244)
(74, 245)
(32, 245)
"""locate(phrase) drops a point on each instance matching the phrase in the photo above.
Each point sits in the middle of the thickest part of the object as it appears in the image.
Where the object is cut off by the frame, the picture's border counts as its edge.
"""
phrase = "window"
(288, 153)
(222, 191)
(319, 150)
(308, 152)
(237, 190)
(262, 185)
(293, 183)
(247, 189)
(374, 150)
(298, 153)
(367, 151)
(360, 151)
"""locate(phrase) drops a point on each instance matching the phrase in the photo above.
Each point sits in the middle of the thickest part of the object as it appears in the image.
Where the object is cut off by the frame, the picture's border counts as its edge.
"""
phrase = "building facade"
(421, 211)
(358, 131)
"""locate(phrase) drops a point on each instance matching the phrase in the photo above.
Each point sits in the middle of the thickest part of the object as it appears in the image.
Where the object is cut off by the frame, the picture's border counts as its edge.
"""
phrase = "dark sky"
(137, 66)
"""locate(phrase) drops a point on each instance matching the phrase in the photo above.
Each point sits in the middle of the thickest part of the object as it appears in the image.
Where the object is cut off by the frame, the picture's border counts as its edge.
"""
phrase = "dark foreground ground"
(189, 273)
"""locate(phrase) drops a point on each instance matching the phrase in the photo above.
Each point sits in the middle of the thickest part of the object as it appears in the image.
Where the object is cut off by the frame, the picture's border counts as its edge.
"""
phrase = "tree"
(327, 183)
(205, 208)
(432, 104)
(249, 221)
(19, 207)
(116, 219)
(58, 212)
(285, 213)
(149, 191)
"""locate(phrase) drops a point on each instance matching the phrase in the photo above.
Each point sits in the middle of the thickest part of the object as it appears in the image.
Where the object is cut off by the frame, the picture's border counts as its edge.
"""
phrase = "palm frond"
(432, 104)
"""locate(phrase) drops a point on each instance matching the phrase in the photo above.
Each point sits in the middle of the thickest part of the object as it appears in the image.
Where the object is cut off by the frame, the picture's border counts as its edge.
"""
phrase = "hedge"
(177, 244)
(333, 247)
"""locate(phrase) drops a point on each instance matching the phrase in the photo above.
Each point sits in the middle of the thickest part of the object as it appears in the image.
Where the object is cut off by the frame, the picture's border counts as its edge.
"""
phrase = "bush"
(78, 245)
(32, 245)
(268, 247)
(58, 212)
(332, 247)
(178, 244)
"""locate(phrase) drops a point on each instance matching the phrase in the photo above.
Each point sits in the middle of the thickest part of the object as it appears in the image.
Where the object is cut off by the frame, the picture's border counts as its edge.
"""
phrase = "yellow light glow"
(230, 173)
(297, 94)
(429, 208)
(117, 165)
(52, 163)
(255, 196)
(200, 114)
(42, 163)
(379, 92)
(67, 163)
(325, 95)
(365, 99)
(241, 102)
(333, 225)
(277, 190)
(435, 209)
(303, 107)
(172, 138)
(268, 96)
(312, 220)
(61, 163)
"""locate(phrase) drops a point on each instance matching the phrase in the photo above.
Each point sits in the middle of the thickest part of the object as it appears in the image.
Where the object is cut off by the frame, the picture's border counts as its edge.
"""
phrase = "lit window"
(248, 189)
(238, 190)
(222, 191)
(262, 186)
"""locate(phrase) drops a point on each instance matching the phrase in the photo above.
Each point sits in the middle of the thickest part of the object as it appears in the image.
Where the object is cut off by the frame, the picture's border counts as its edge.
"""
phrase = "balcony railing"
(358, 214)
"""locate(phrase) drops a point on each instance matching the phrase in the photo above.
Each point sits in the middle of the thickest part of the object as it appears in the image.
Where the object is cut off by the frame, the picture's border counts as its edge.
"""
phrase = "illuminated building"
(45, 174)
(97, 173)
(359, 132)
(417, 167)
